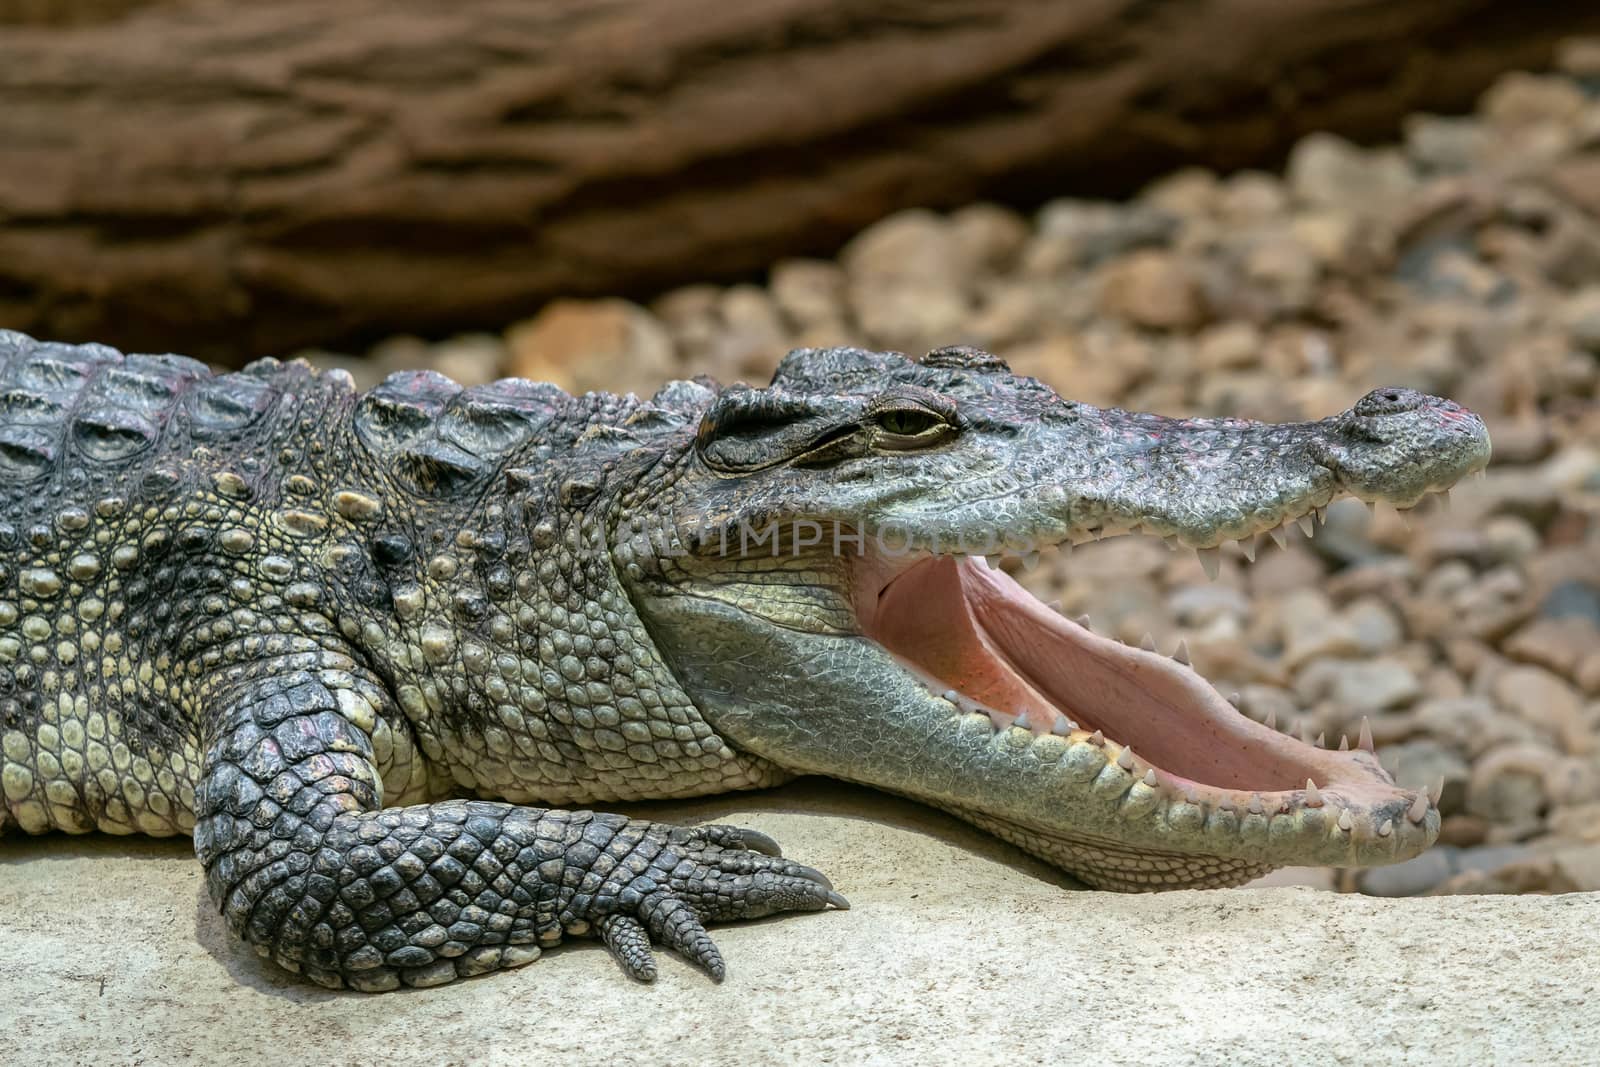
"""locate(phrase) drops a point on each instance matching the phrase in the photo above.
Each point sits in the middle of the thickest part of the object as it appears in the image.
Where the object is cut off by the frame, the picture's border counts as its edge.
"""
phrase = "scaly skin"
(295, 622)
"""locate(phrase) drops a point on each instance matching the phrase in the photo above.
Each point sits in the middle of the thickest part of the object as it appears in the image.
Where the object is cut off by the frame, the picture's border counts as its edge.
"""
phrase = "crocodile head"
(822, 593)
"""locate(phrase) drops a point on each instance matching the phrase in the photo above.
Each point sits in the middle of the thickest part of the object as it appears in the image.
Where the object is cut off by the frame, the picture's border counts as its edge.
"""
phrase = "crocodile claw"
(706, 874)
(756, 841)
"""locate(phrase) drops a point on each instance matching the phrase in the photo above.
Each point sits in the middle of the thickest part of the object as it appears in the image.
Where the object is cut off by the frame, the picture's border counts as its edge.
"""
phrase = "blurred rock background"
(233, 179)
(1462, 258)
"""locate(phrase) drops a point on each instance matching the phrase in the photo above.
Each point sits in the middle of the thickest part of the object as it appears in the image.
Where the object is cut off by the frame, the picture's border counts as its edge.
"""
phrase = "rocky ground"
(1464, 262)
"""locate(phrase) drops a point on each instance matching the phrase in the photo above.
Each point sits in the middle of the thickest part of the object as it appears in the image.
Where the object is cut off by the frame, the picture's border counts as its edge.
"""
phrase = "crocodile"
(379, 653)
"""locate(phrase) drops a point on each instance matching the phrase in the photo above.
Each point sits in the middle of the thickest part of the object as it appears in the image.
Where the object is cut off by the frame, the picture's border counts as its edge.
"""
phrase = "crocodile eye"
(908, 422)
(903, 424)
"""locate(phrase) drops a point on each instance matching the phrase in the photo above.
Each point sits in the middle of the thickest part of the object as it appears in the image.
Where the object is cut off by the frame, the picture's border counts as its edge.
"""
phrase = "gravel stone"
(809, 291)
(1155, 290)
(1359, 685)
(1508, 786)
(1328, 171)
(1543, 700)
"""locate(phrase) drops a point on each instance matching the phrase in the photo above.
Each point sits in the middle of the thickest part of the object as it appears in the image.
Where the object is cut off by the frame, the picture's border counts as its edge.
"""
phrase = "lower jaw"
(1066, 798)
(1068, 801)
(1112, 829)
(1117, 866)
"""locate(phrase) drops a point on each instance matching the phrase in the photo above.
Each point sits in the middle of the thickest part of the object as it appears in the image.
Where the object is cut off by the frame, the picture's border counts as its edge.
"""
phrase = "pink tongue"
(978, 632)
(1168, 716)
(925, 618)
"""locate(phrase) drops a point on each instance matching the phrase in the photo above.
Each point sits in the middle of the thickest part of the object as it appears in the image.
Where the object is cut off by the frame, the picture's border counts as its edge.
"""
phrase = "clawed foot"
(705, 874)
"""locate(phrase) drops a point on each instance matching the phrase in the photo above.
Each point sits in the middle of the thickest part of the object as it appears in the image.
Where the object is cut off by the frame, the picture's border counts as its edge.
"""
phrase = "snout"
(1398, 445)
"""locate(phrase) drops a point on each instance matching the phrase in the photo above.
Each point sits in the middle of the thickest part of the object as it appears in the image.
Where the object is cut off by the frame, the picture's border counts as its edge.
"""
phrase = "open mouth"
(975, 637)
(943, 679)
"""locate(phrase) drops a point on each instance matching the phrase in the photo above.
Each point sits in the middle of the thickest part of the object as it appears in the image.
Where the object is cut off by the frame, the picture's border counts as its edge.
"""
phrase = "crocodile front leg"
(307, 867)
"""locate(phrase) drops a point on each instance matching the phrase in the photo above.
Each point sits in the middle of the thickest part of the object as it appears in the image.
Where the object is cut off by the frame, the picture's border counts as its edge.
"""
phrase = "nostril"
(1389, 400)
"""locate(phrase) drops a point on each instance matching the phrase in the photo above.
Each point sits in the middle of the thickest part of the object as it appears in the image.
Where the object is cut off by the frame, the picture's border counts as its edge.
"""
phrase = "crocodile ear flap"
(750, 429)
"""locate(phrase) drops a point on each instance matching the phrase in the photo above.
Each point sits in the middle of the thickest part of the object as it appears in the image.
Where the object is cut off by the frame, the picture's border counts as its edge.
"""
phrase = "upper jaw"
(1198, 483)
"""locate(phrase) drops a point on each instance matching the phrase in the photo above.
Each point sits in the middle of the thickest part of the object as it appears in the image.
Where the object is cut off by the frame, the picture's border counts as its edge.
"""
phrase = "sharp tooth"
(1437, 791)
(1344, 743)
(1055, 606)
(1405, 520)
(1444, 500)
(1385, 828)
(950, 695)
(1322, 740)
(1234, 698)
(1190, 796)
(1125, 759)
(1345, 822)
(1365, 740)
(1276, 533)
(1083, 621)
(1372, 507)
(1181, 653)
(1070, 724)
(1171, 541)
(1256, 807)
(1247, 545)
(1322, 516)
(1211, 560)
(1097, 738)
(1061, 727)
(1150, 778)
(1272, 719)
(993, 562)
(1418, 809)
(1022, 721)
(1147, 642)
(1313, 795)
(1307, 527)
(1030, 560)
